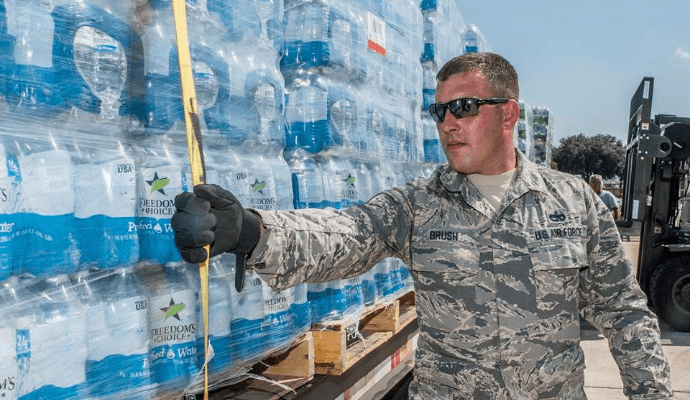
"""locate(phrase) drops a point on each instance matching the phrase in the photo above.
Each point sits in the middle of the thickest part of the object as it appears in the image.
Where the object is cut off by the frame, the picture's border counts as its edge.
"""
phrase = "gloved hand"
(213, 216)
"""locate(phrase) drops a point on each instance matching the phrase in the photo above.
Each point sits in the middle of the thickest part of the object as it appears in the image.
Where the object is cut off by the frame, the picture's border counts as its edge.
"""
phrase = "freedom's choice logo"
(264, 202)
(350, 180)
(173, 310)
(155, 205)
(173, 331)
(157, 184)
(258, 187)
(349, 191)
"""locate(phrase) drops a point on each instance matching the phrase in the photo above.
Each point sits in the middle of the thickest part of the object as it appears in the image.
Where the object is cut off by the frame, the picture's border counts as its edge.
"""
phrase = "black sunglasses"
(461, 108)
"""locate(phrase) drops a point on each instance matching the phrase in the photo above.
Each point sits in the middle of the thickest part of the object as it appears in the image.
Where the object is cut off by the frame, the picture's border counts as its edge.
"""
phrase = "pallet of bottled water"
(302, 104)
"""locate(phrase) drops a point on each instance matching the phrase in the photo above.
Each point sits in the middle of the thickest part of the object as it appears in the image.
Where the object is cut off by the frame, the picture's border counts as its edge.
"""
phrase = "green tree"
(587, 155)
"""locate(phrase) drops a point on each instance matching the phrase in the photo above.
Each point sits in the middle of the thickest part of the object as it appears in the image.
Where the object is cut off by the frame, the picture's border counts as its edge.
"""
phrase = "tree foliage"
(587, 155)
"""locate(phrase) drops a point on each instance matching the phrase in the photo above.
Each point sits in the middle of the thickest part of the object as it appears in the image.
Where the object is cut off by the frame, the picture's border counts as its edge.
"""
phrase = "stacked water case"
(522, 135)
(353, 85)
(302, 104)
(440, 17)
(542, 133)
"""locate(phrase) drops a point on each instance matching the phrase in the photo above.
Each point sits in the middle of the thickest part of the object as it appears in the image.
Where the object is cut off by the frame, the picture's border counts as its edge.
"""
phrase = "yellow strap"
(196, 156)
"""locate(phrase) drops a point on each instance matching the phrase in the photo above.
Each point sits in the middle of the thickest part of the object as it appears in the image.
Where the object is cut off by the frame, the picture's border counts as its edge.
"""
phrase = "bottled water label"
(9, 381)
(118, 359)
(105, 212)
(277, 325)
(173, 335)
(262, 189)
(157, 188)
(53, 366)
(43, 233)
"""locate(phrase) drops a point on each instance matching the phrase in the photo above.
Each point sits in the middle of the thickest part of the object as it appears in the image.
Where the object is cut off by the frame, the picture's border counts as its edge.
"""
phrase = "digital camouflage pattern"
(499, 294)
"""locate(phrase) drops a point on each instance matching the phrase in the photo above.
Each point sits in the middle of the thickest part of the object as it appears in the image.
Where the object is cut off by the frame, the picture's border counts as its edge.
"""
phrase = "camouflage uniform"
(499, 295)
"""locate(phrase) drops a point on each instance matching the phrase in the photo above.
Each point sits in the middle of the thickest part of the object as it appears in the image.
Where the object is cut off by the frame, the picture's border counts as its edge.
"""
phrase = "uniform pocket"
(555, 275)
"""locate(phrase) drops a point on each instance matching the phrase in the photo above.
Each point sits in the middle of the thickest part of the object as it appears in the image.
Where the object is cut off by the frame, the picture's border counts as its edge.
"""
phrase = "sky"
(584, 59)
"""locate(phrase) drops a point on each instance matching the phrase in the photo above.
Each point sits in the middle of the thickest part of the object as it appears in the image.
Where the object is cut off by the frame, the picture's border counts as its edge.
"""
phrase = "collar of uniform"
(527, 178)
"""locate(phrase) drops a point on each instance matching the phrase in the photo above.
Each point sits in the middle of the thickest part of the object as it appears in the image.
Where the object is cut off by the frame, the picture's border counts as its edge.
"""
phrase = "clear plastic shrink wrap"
(302, 104)
(542, 132)
(523, 133)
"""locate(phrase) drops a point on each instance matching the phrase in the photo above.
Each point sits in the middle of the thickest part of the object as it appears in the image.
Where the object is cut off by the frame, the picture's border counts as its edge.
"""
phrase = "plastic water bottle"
(277, 327)
(327, 300)
(283, 181)
(353, 293)
(266, 90)
(219, 316)
(6, 216)
(45, 211)
(6, 49)
(52, 347)
(334, 181)
(32, 84)
(9, 306)
(472, 39)
(99, 59)
(160, 178)
(432, 144)
(308, 185)
(306, 116)
(301, 317)
(376, 126)
(173, 326)
(163, 93)
(240, 18)
(428, 86)
(398, 275)
(261, 192)
(104, 171)
(233, 172)
(247, 342)
(118, 358)
(306, 37)
(342, 116)
(368, 285)
(383, 276)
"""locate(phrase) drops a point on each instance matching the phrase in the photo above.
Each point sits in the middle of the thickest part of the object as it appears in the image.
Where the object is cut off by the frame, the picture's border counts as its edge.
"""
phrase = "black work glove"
(213, 216)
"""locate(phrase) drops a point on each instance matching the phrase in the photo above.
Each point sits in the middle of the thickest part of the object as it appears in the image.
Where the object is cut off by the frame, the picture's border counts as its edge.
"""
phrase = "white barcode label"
(376, 34)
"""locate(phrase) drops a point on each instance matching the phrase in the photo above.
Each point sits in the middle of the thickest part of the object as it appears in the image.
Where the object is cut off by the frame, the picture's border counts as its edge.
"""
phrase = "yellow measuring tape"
(196, 156)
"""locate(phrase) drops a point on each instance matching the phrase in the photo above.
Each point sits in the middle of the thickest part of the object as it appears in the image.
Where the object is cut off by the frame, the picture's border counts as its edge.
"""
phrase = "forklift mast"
(654, 189)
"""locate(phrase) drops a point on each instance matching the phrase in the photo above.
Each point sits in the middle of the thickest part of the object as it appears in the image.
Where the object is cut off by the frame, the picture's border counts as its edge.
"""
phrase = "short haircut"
(499, 73)
(596, 180)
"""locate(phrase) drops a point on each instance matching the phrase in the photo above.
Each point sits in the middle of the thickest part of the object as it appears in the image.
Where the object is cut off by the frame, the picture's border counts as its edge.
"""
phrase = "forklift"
(655, 193)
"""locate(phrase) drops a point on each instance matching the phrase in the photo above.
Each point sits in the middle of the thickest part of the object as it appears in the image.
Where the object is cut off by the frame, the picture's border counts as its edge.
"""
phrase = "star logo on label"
(350, 180)
(157, 184)
(173, 310)
(258, 186)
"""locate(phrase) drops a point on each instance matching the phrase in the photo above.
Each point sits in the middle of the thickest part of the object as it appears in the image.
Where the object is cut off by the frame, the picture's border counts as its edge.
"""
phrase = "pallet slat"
(334, 353)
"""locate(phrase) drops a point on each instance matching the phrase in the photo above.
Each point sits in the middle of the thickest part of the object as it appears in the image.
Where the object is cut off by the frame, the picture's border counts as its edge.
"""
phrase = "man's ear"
(511, 113)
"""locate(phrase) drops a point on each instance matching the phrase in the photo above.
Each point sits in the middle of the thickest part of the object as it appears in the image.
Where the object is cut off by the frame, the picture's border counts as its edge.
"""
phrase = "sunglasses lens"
(462, 108)
(437, 111)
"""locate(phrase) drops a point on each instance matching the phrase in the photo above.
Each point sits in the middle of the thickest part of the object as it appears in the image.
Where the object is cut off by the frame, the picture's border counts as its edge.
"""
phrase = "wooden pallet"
(339, 345)
(296, 362)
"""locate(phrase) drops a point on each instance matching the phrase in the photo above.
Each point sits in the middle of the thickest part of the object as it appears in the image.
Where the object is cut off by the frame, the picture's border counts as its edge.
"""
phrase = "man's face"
(482, 143)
